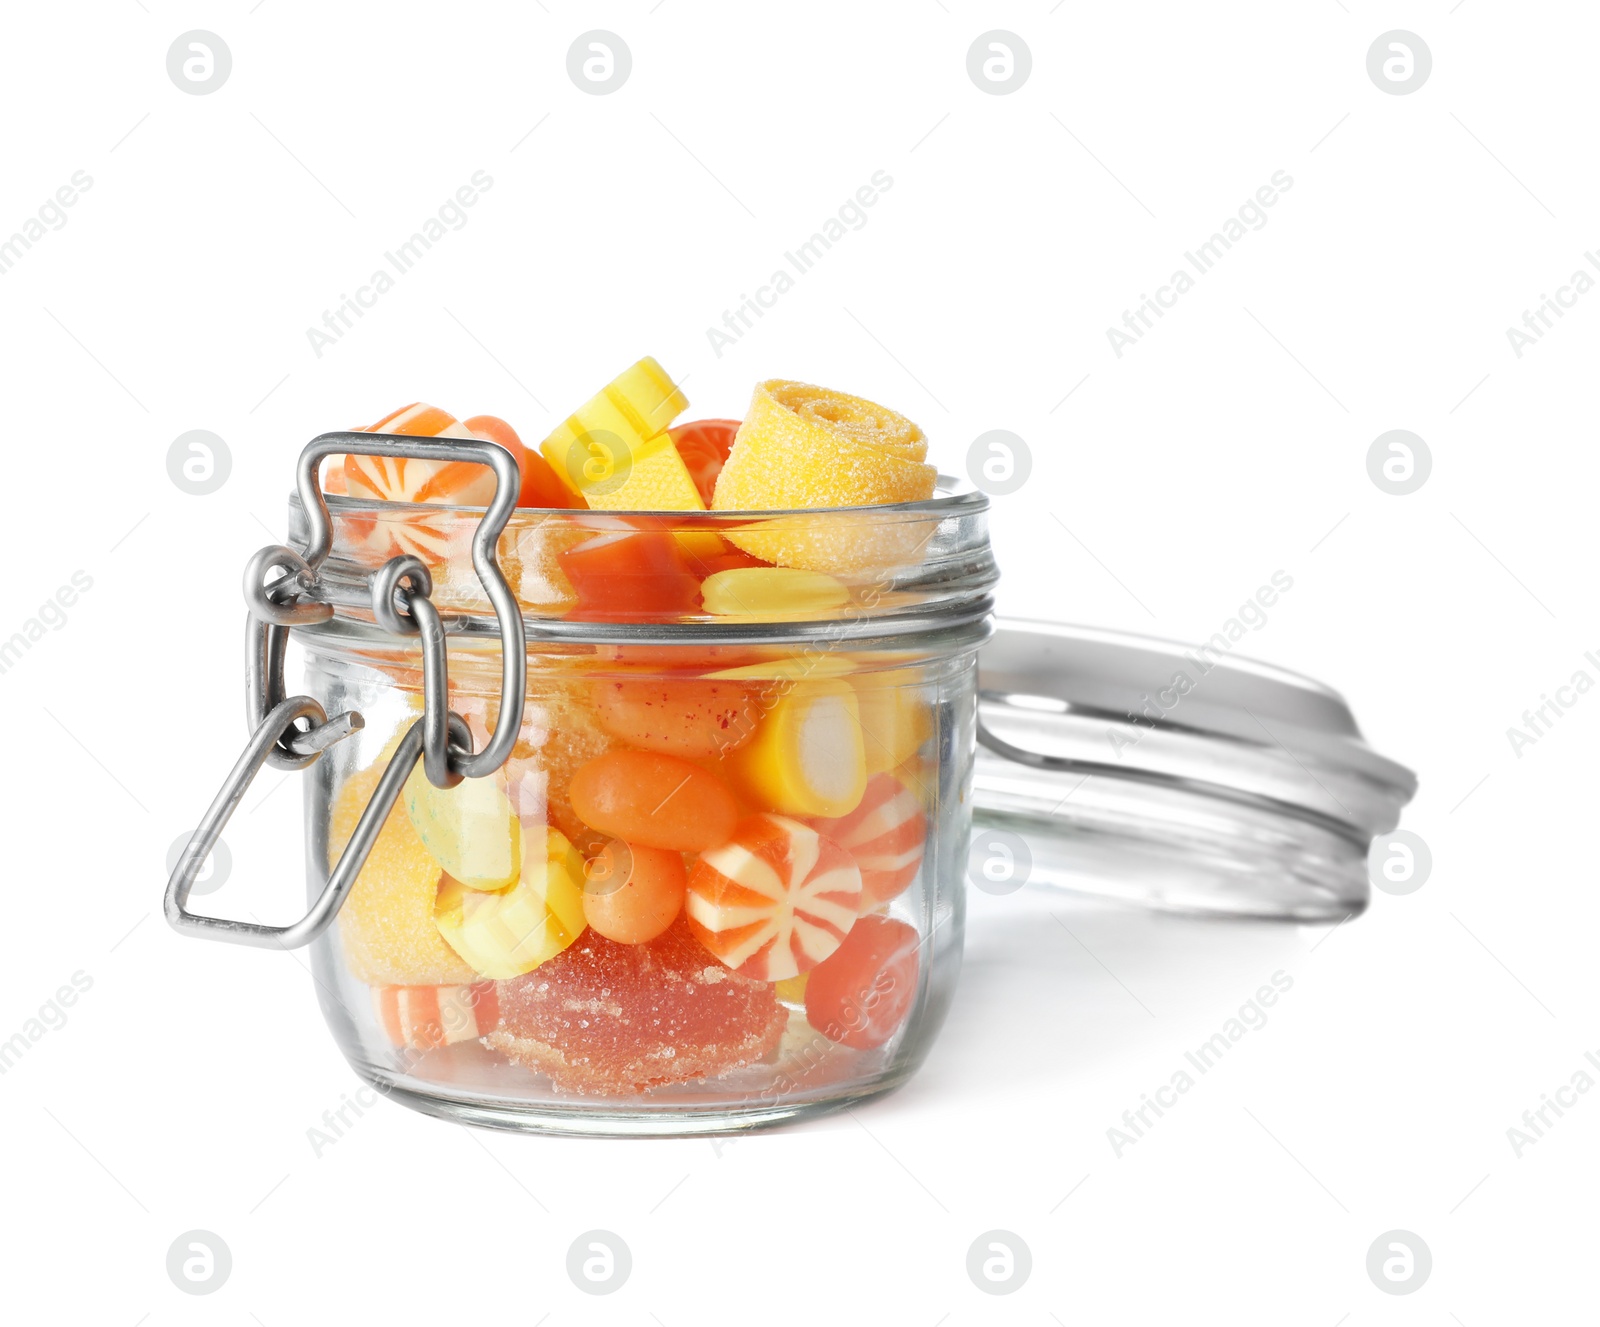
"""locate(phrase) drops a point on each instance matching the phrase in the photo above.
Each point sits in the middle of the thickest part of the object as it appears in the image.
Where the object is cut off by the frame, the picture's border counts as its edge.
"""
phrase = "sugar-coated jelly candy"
(807, 756)
(884, 834)
(631, 894)
(470, 829)
(427, 1017)
(656, 800)
(807, 447)
(510, 932)
(861, 995)
(386, 923)
(775, 900)
(608, 1019)
(694, 717)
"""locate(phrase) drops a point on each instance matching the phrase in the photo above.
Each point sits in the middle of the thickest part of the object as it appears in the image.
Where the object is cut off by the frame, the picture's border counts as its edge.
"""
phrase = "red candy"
(609, 1019)
(861, 995)
(540, 485)
(884, 834)
(630, 575)
(703, 447)
(427, 1017)
(655, 800)
(775, 900)
(689, 716)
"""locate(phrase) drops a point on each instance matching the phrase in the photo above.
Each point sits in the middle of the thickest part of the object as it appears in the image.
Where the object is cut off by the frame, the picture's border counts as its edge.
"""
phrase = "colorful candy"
(541, 487)
(505, 934)
(631, 574)
(771, 592)
(703, 446)
(386, 924)
(693, 717)
(470, 829)
(632, 894)
(806, 757)
(608, 1019)
(884, 834)
(615, 451)
(654, 800)
(425, 1018)
(808, 447)
(895, 719)
(861, 995)
(775, 900)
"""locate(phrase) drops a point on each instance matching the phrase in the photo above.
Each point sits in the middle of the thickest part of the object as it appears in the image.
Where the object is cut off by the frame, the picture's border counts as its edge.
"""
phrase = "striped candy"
(406, 479)
(775, 900)
(884, 834)
(427, 1017)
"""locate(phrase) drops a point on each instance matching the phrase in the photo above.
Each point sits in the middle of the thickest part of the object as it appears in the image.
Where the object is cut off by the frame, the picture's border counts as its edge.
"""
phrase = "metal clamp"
(400, 601)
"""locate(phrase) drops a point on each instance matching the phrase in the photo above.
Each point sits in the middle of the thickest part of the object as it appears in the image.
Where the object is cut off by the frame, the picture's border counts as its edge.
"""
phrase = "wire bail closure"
(400, 591)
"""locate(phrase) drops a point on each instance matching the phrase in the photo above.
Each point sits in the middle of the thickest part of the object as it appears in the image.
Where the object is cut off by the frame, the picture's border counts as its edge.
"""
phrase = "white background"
(1228, 444)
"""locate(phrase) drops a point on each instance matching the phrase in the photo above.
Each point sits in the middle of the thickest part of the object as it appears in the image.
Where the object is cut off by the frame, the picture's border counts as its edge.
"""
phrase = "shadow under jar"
(719, 881)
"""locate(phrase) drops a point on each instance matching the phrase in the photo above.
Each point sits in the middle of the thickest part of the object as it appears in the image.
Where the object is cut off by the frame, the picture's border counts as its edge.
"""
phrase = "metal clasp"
(400, 602)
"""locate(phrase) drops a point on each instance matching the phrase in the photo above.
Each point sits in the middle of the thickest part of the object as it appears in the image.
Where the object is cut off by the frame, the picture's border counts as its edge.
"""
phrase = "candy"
(656, 800)
(427, 1017)
(771, 592)
(470, 829)
(608, 1019)
(631, 574)
(633, 894)
(862, 994)
(884, 835)
(775, 900)
(407, 479)
(614, 449)
(895, 720)
(703, 447)
(505, 934)
(806, 757)
(387, 921)
(559, 735)
(692, 717)
(807, 447)
(541, 487)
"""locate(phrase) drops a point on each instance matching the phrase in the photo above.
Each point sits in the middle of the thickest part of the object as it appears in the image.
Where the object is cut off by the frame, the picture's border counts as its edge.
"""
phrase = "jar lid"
(1180, 777)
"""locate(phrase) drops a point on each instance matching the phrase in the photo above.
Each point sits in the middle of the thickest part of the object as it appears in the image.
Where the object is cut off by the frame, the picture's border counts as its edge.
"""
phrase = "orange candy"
(775, 900)
(884, 834)
(654, 800)
(540, 486)
(691, 717)
(633, 894)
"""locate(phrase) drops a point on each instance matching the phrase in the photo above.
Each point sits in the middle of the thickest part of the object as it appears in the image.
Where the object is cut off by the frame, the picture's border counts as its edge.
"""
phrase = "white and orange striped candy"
(884, 834)
(775, 900)
(427, 1017)
(407, 479)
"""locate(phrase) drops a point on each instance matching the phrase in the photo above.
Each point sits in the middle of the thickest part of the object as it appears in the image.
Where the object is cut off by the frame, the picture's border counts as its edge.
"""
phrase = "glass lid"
(1180, 777)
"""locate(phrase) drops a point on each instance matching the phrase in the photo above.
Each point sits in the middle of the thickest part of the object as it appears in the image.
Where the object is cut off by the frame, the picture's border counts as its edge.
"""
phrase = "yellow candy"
(615, 451)
(771, 592)
(792, 990)
(807, 447)
(470, 829)
(502, 935)
(807, 757)
(895, 722)
(387, 920)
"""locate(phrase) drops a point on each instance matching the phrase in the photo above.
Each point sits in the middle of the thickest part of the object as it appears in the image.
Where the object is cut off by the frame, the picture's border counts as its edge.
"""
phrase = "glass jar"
(717, 880)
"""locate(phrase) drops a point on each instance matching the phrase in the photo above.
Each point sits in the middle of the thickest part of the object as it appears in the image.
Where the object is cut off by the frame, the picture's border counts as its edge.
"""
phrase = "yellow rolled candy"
(771, 592)
(615, 451)
(803, 447)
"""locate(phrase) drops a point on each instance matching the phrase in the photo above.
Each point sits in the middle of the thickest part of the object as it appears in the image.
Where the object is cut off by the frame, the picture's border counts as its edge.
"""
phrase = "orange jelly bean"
(654, 800)
(633, 893)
